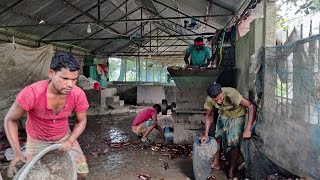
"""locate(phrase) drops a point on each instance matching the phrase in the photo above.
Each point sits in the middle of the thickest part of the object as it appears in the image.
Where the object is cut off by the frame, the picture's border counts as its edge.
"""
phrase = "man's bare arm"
(208, 121)
(11, 127)
(204, 138)
(79, 126)
(76, 132)
(252, 109)
(157, 126)
(155, 119)
(186, 58)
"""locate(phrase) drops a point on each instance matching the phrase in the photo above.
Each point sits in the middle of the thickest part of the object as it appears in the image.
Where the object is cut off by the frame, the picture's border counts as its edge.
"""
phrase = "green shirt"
(198, 58)
(231, 104)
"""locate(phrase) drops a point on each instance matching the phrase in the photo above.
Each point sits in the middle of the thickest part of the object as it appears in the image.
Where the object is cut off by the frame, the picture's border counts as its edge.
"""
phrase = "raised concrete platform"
(105, 101)
(103, 111)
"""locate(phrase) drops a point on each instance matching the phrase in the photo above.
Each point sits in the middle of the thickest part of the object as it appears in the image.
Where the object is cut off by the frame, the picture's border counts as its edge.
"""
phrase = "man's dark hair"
(214, 90)
(157, 107)
(199, 39)
(64, 60)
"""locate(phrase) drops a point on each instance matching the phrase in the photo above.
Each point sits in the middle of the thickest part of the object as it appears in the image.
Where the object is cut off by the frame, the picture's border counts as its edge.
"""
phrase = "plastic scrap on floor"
(143, 176)
(8, 153)
(165, 165)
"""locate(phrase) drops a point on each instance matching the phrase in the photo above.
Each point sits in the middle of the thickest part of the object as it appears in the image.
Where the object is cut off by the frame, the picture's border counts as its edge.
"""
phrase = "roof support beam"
(145, 38)
(245, 10)
(223, 7)
(154, 49)
(96, 49)
(90, 16)
(76, 17)
(146, 55)
(126, 16)
(134, 29)
(103, 21)
(178, 45)
(92, 34)
(183, 13)
(95, 39)
(114, 10)
(138, 27)
(124, 52)
(163, 25)
(141, 31)
(151, 11)
(99, 11)
(168, 48)
(247, 5)
(10, 7)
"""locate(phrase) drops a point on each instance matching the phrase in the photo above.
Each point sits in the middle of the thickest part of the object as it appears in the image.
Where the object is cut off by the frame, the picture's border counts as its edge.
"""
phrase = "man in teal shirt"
(200, 54)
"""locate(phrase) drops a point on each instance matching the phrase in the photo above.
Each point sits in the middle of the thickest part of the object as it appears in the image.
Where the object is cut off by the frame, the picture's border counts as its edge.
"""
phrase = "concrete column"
(269, 41)
(257, 37)
(270, 21)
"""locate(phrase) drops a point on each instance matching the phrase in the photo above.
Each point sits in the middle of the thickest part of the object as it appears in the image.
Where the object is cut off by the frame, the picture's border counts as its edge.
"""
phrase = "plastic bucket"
(96, 86)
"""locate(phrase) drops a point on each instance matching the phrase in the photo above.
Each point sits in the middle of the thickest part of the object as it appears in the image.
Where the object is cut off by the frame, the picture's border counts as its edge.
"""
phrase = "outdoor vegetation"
(289, 10)
(128, 70)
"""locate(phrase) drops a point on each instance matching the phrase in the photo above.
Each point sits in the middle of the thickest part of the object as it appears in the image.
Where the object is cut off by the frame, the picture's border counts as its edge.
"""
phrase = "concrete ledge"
(108, 92)
(118, 110)
(184, 133)
(116, 104)
(112, 99)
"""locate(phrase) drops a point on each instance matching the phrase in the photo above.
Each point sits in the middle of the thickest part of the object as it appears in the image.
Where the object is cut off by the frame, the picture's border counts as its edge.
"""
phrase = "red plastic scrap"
(144, 176)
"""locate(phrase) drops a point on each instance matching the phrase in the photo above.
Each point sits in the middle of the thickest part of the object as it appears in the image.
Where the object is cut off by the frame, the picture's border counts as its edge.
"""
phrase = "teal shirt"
(198, 58)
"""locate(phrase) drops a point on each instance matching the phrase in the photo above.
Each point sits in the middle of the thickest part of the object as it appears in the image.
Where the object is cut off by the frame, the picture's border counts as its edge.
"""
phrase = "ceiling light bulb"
(89, 28)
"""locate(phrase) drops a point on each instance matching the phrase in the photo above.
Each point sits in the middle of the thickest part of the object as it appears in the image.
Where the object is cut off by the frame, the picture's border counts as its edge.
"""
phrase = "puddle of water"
(117, 135)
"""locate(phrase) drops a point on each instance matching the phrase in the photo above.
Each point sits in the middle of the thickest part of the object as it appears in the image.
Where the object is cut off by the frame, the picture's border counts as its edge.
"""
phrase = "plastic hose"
(221, 46)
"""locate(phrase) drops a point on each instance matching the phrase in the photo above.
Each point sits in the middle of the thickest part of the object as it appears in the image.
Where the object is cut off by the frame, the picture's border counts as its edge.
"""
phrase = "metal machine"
(188, 111)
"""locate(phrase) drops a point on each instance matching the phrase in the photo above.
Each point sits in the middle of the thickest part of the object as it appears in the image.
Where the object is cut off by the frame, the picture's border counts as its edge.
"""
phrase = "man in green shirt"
(231, 124)
(200, 54)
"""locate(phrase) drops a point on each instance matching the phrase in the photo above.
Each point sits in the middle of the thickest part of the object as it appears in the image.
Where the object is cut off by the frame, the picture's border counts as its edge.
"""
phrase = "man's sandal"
(215, 168)
(147, 141)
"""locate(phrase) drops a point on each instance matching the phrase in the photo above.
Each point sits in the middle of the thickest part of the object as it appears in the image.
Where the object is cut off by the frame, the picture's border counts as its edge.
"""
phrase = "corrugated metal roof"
(116, 33)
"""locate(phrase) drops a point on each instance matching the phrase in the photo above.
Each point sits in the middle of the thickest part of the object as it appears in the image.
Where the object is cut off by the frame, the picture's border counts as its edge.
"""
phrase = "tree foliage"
(302, 7)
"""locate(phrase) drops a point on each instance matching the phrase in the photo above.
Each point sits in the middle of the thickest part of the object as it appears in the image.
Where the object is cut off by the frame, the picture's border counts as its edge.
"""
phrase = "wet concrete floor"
(114, 152)
(106, 161)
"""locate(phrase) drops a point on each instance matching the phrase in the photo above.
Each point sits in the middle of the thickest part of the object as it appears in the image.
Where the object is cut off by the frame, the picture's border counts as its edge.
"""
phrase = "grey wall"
(127, 92)
(145, 94)
(245, 47)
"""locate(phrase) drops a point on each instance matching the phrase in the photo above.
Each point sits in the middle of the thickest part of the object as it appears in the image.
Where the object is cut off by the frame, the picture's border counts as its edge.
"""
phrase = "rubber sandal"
(211, 178)
(147, 141)
(215, 168)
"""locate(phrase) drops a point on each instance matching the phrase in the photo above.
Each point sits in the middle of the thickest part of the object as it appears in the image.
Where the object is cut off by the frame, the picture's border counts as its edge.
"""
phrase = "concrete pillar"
(270, 21)
(269, 41)
(257, 37)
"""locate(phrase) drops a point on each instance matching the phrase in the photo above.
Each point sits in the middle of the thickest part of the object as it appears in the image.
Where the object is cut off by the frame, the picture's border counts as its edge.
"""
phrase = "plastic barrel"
(168, 134)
